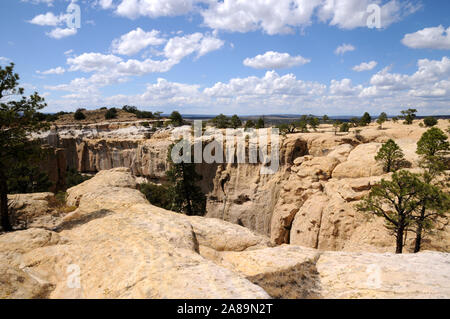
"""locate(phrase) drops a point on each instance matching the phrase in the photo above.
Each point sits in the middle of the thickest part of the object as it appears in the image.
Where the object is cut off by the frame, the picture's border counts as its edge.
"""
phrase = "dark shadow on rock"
(82, 220)
(299, 282)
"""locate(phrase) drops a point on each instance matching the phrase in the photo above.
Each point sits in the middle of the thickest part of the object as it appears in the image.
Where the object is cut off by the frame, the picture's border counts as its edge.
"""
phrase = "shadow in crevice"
(299, 282)
(67, 225)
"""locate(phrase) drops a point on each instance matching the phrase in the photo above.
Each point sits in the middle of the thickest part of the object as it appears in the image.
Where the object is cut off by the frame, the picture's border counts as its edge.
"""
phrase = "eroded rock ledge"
(126, 248)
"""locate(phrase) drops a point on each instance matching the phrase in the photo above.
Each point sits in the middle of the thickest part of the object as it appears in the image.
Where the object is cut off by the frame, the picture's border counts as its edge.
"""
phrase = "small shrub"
(158, 195)
(74, 178)
(111, 114)
(345, 127)
(430, 121)
(79, 115)
(59, 204)
(144, 115)
(130, 109)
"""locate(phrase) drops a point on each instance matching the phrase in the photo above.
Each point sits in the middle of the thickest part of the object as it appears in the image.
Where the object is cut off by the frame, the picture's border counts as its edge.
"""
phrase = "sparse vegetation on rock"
(430, 121)
(381, 119)
(79, 115)
(111, 114)
(235, 122)
(391, 155)
(396, 202)
(176, 119)
(186, 196)
(408, 115)
(260, 123)
(365, 120)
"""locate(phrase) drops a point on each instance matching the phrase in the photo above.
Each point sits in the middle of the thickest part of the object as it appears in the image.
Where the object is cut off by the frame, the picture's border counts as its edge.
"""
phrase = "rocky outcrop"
(33, 210)
(326, 172)
(122, 247)
(117, 245)
(95, 147)
(298, 272)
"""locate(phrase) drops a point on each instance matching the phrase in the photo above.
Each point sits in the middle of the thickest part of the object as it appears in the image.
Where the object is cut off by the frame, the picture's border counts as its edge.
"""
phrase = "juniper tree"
(336, 126)
(221, 121)
(313, 122)
(17, 120)
(249, 124)
(111, 114)
(176, 119)
(395, 201)
(365, 119)
(408, 115)
(344, 127)
(187, 196)
(434, 204)
(381, 119)
(430, 121)
(433, 147)
(391, 155)
(235, 122)
(302, 124)
(260, 123)
(79, 115)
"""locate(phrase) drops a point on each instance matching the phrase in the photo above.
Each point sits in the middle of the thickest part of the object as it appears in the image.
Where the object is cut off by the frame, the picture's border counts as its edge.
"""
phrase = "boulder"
(360, 163)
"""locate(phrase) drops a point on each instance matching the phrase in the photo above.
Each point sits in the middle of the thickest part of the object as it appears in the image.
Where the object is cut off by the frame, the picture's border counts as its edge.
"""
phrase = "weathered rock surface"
(117, 245)
(360, 163)
(296, 272)
(32, 210)
(123, 248)
(330, 173)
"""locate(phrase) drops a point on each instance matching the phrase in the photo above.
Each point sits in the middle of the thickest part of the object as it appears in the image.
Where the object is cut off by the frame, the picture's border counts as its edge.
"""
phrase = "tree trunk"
(399, 235)
(419, 231)
(4, 216)
(418, 239)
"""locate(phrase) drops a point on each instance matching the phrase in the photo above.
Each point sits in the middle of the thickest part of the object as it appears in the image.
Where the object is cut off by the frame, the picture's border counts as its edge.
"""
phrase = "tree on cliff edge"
(396, 201)
(187, 196)
(17, 120)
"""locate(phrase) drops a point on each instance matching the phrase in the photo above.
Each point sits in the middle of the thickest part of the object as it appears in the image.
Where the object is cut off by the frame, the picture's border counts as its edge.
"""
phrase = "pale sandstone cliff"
(124, 247)
(309, 201)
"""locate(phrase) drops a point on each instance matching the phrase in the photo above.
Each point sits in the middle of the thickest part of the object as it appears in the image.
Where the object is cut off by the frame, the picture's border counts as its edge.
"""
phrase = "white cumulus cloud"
(153, 8)
(58, 71)
(60, 33)
(342, 49)
(135, 41)
(48, 19)
(270, 16)
(179, 47)
(365, 66)
(275, 60)
(429, 38)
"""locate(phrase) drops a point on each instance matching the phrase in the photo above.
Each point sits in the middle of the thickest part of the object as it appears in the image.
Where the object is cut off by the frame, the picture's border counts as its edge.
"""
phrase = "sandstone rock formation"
(117, 245)
(298, 272)
(326, 172)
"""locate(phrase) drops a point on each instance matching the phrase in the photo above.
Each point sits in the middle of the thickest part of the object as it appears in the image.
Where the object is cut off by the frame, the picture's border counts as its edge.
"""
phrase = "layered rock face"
(95, 147)
(117, 245)
(309, 201)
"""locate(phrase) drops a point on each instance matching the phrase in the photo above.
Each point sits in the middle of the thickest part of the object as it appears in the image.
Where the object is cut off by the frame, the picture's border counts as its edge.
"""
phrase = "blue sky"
(233, 56)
